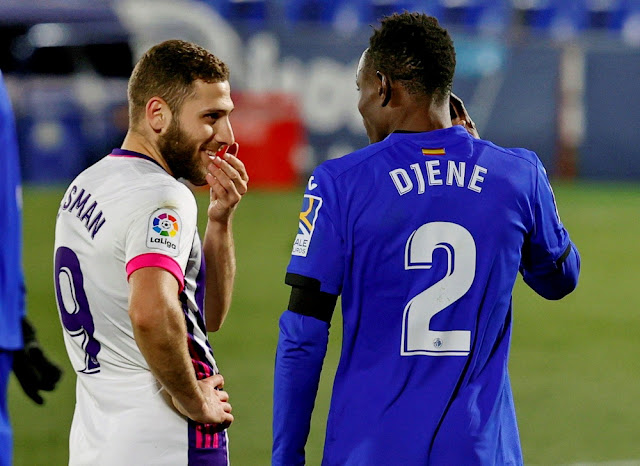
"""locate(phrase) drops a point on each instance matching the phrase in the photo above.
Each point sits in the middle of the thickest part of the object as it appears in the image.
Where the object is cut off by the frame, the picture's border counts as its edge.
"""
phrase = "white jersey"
(121, 214)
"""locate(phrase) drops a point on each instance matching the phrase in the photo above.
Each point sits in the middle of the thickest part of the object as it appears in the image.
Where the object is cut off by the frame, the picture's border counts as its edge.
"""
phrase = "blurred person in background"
(137, 289)
(423, 234)
(19, 348)
(118, 122)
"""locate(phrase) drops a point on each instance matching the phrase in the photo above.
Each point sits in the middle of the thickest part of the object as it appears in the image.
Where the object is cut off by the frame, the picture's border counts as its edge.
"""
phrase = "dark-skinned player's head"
(414, 49)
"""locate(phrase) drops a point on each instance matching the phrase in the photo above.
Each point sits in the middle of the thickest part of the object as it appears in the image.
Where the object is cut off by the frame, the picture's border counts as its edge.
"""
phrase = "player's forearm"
(162, 339)
(302, 346)
(220, 261)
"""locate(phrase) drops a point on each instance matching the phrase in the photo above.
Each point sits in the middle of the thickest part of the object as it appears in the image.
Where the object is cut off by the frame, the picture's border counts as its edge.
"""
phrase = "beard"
(182, 155)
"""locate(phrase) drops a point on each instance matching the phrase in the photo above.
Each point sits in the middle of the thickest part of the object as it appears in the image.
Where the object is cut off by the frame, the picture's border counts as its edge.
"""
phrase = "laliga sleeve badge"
(164, 231)
(308, 216)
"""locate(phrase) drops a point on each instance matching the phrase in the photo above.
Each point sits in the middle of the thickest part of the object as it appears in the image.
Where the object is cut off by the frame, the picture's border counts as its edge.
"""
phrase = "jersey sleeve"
(302, 346)
(550, 261)
(12, 299)
(162, 231)
(319, 249)
(315, 273)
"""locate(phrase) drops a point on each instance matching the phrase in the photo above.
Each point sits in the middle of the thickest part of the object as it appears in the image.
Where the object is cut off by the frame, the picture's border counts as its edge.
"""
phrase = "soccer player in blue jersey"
(19, 348)
(423, 234)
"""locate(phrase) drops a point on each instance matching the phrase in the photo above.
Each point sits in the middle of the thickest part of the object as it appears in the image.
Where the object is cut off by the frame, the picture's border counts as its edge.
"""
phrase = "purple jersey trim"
(200, 285)
(206, 446)
(152, 259)
(130, 153)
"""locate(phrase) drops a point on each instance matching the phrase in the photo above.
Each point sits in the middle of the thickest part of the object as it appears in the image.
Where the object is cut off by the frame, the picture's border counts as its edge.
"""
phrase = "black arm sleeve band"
(564, 256)
(307, 299)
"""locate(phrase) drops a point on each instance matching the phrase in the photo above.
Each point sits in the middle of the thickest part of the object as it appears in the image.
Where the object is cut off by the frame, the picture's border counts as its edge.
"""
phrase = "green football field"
(575, 364)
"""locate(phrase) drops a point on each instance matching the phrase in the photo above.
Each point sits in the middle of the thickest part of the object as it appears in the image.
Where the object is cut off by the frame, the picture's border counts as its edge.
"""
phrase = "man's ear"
(158, 114)
(384, 90)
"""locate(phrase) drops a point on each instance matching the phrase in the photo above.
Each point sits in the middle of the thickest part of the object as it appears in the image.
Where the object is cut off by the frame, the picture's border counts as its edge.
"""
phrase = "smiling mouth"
(220, 152)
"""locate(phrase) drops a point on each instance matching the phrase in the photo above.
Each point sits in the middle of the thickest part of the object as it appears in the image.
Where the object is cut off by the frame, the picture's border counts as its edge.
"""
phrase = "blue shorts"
(6, 440)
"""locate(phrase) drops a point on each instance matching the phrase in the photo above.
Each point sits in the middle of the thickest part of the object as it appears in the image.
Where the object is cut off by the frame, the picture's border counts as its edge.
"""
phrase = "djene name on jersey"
(435, 174)
(87, 214)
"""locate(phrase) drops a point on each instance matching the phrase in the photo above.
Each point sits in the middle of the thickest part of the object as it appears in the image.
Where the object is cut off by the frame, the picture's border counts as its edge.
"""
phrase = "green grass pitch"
(575, 364)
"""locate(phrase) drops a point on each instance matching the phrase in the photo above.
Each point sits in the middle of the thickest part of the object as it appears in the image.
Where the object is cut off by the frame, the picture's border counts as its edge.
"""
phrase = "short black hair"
(415, 49)
(169, 70)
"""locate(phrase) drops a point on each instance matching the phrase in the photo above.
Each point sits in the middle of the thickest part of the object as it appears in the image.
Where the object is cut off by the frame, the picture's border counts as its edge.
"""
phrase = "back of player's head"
(168, 70)
(414, 49)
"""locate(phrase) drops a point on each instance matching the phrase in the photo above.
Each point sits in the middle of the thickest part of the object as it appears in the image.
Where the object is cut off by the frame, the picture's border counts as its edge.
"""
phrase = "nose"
(224, 131)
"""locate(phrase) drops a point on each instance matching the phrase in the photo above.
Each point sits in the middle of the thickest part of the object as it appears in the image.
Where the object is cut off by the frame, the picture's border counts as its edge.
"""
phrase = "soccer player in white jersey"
(137, 290)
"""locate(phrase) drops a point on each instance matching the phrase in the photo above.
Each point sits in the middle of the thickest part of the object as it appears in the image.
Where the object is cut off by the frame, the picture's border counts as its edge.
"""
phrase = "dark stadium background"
(557, 77)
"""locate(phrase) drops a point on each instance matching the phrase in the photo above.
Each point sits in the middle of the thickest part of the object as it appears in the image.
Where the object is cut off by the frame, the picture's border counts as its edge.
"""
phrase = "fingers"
(217, 380)
(49, 373)
(460, 116)
(231, 165)
(228, 420)
(34, 396)
(228, 179)
(217, 409)
(219, 401)
(223, 396)
(35, 373)
(457, 107)
(229, 171)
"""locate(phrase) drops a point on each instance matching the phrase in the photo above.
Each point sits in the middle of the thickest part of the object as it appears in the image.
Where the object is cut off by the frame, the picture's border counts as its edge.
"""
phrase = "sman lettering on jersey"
(88, 213)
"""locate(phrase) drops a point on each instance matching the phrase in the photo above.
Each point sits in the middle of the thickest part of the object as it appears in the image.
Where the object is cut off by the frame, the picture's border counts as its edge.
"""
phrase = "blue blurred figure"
(19, 348)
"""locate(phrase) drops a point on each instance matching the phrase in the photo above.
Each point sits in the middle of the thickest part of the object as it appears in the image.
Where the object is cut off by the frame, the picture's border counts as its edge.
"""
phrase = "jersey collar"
(133, 154)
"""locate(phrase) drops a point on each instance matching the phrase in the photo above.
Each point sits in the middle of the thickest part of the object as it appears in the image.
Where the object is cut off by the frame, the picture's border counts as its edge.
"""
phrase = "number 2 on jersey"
(417, 336)
(74, 306)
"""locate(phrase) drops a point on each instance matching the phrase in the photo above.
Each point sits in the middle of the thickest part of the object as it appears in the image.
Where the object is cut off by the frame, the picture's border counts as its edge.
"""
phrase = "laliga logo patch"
(310, 208)
(164, 231)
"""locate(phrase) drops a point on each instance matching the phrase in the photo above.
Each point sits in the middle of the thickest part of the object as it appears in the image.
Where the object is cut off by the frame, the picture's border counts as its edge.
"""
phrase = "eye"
(212, 116)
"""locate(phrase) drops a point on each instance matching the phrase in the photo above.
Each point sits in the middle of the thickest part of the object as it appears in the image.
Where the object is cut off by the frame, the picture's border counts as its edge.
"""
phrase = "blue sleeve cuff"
(558, 282)
(302, 345)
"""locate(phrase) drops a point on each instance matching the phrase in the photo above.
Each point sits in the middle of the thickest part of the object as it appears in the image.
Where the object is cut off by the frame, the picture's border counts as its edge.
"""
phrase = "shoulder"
(138, 186)
(164, 192)
(517, 153)
(164, 187)
(149, 181)
(336, 168)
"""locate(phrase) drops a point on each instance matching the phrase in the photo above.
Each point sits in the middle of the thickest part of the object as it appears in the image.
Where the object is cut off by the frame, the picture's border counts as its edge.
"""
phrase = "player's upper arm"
(307, 299)
(319, 248)
(550, 261)
(151, 290)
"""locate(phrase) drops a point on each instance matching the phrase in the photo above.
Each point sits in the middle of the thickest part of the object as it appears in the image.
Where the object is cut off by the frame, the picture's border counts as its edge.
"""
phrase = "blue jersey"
(11, 277)
(423, 235)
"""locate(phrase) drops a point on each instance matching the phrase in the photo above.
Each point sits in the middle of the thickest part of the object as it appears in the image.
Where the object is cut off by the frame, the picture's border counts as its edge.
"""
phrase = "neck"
(420, 115)
(137, 142)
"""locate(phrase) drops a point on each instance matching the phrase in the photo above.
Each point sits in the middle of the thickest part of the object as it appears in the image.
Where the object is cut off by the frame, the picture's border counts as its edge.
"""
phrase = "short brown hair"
(168, 70)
